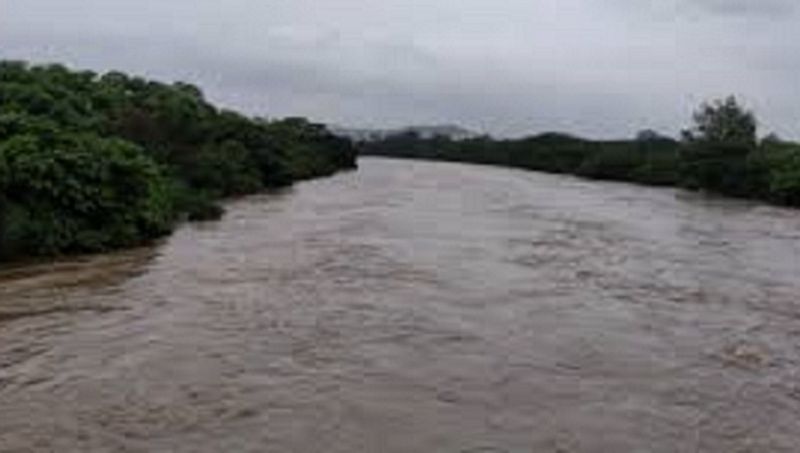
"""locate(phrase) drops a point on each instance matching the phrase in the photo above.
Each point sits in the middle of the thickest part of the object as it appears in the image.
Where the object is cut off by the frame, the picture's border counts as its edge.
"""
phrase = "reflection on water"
(416, 307)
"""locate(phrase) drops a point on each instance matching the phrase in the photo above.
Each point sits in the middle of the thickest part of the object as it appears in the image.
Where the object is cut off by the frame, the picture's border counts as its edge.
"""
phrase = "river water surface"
(419, 307)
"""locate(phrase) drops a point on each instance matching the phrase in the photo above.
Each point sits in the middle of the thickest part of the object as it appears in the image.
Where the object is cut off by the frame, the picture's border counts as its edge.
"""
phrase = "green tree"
(91, 162)
(723, 122)
(80, 193)
(716, 150)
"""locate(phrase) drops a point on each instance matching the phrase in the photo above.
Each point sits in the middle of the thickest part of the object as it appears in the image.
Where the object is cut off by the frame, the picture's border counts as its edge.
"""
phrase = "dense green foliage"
(91, 162)
(720, 153)
(651, 161)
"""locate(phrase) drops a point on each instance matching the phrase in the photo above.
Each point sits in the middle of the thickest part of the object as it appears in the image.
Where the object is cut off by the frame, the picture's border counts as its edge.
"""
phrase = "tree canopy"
(723, 122)
(90, 162)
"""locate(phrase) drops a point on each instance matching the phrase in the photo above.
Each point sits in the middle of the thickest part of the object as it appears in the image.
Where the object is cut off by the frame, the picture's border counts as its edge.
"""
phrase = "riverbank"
(720, 154)
(97, 162)
(654, 170)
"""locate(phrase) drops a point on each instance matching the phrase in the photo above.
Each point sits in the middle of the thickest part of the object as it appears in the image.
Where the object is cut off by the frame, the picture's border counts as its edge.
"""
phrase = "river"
(419, 307)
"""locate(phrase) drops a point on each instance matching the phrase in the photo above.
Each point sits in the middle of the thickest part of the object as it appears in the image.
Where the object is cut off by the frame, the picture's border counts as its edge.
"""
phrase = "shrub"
(80, 193)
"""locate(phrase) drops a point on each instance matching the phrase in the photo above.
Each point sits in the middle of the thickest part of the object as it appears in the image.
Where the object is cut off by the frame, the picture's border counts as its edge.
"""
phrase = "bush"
(195, 205)
(80, 193)
(90, 162)
(784, 175)
(225, 169)
(612, 162)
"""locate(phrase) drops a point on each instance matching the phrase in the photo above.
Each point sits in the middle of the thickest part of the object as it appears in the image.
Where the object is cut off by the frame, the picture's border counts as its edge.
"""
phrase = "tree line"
(91, 162)
(720, 153)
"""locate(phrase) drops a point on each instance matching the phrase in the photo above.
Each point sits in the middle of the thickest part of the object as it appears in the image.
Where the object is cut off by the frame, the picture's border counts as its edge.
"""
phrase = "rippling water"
(420, 307)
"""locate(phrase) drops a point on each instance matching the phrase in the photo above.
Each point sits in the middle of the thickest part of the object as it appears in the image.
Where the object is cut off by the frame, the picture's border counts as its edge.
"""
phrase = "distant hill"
(425, 132)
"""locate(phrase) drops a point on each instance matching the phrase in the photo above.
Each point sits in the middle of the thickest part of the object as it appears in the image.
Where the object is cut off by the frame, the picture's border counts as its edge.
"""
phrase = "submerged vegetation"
(720, 153)
(92, 162)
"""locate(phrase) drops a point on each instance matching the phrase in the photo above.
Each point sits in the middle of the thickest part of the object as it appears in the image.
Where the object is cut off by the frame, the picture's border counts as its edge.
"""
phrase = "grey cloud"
(512, 67)
(745, 7)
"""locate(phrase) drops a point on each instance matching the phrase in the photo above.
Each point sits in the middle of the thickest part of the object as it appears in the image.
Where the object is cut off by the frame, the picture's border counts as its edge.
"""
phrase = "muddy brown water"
(419, 307)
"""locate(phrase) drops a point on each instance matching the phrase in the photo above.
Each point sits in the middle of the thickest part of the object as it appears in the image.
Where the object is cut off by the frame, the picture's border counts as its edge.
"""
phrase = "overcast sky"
(602, 68)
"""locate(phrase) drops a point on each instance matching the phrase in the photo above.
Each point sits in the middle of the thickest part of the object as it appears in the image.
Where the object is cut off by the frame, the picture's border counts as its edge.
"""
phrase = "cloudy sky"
(602, 68)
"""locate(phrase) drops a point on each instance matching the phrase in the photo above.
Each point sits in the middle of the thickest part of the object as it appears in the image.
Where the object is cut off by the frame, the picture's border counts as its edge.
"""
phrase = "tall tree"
(723, 121)
(716, 150)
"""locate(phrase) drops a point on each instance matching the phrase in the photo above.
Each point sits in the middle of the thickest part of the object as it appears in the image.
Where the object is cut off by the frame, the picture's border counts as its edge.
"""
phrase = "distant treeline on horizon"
(91, 162)
(719, 153)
